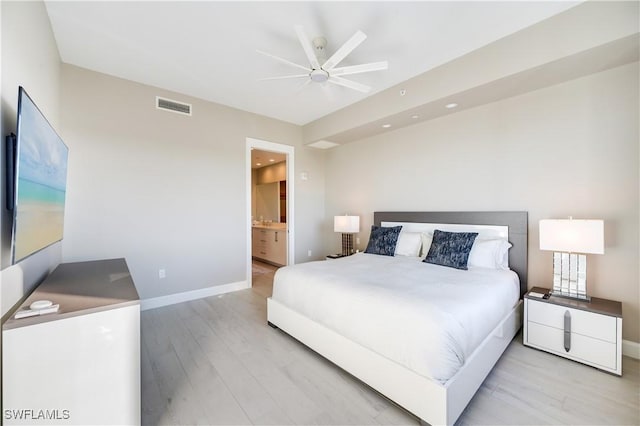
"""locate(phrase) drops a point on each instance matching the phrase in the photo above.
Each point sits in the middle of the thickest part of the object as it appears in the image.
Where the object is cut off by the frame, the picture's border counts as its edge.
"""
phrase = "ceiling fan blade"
(328, 93)
(303, 85)
(356, 69)
(346, 48)
(285, 77)
(284, 61)
(350, 84)
(308, 49)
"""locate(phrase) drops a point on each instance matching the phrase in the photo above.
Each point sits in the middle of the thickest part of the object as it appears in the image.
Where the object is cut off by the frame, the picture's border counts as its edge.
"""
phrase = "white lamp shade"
(346, 224)
(572, 235)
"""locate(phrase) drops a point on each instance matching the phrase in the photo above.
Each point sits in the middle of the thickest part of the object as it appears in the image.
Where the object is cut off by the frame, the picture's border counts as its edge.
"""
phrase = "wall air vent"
(173, 106)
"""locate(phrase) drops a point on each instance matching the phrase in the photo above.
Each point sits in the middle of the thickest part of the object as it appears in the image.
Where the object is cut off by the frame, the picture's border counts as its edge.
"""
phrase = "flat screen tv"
(40, 182)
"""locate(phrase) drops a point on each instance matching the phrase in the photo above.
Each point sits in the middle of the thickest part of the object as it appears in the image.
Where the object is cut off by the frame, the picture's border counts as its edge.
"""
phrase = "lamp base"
(570, 275)
(347, 244)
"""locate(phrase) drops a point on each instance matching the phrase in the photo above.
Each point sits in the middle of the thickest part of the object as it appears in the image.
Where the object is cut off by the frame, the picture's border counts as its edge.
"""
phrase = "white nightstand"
(587, 332)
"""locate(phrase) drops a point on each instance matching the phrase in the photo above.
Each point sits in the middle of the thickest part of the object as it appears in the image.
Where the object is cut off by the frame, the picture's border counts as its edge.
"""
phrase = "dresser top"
(81, 288)
(597, 305)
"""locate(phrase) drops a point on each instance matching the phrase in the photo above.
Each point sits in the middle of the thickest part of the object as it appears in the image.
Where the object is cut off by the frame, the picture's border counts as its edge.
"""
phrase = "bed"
(428, 340)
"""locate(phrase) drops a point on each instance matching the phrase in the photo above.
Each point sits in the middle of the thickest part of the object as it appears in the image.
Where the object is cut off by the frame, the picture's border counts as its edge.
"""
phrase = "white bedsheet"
(425, 317)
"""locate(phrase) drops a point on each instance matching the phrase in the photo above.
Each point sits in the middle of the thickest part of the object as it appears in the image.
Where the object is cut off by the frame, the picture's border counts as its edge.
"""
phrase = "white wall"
(165, 190)
(570, 149)
(30, 59)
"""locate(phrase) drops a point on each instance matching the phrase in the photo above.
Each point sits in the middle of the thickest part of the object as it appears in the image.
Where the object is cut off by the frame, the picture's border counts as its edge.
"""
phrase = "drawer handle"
(276, 237)
(567, 331)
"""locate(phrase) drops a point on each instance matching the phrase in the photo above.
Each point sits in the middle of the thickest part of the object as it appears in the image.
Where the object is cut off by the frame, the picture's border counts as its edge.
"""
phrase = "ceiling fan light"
(319, 76)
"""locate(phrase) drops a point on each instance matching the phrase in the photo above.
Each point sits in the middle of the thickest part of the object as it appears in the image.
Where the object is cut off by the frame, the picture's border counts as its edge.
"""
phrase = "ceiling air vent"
(173, 106)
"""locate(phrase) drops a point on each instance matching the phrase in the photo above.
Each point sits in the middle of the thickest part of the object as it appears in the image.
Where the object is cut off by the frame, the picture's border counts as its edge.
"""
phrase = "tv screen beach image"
(41, 183)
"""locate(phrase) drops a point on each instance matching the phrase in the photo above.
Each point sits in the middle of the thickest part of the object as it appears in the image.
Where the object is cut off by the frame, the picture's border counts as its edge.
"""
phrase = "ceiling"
(208, 49)
(261, 158)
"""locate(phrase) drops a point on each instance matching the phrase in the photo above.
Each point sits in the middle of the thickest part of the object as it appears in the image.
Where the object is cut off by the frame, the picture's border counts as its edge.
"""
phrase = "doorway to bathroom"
(270, 208)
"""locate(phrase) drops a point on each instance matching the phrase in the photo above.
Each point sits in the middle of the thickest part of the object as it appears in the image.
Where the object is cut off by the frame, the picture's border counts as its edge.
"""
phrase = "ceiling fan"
(322, 70)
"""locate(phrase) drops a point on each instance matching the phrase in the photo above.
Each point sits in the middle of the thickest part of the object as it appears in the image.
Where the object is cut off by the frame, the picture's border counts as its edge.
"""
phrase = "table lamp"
(347, 225)
(570, 239)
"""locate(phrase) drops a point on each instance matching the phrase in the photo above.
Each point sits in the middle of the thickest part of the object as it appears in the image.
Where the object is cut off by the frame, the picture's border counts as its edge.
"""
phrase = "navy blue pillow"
(451, 248)
(383, 240)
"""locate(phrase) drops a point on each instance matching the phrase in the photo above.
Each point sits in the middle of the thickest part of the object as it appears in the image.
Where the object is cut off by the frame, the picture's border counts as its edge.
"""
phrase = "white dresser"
(81, 365)
(587, 332)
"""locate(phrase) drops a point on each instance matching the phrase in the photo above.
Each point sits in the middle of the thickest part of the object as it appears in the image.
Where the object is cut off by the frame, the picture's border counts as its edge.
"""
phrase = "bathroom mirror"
(268, 202)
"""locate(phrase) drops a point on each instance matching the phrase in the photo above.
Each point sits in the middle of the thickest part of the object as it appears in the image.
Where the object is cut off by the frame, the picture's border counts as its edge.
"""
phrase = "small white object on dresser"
(589, 332)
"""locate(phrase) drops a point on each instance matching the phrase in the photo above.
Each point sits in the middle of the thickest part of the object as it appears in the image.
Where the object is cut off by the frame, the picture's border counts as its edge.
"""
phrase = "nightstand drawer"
(598, 326)
(595, 352)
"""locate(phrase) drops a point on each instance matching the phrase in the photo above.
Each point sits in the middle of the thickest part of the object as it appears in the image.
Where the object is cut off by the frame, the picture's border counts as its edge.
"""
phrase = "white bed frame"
(432, 401)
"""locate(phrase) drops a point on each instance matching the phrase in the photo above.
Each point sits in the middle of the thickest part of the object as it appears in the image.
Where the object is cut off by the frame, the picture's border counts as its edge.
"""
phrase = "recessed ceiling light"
(258, 164)
(386, 126)
(414, 116)
(451, 105)
(271, 160)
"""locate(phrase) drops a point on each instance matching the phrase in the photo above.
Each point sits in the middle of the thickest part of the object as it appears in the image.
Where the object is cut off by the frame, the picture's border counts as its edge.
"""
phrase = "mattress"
(425, 317)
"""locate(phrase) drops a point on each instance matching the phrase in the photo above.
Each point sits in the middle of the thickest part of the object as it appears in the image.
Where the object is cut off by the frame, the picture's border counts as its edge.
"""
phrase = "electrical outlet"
(309, 253)
(162, 273)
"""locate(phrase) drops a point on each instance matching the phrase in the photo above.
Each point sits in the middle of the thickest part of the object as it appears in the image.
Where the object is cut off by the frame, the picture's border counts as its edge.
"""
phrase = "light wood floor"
(215, 361)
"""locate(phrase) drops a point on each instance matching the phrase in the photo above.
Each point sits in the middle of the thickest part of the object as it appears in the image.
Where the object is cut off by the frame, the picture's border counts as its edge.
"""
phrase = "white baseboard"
(171, 299)
(631, 349)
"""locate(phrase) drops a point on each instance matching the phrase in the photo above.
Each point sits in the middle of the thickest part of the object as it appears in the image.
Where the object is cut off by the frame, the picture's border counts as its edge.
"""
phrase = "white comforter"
(425, 317)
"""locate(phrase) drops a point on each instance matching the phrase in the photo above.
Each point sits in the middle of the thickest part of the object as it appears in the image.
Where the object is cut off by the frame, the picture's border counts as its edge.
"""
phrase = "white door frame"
(288, 150)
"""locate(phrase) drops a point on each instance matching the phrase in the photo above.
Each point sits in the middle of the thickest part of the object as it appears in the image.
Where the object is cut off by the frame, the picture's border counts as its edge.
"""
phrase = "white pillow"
(493, 254)
(409, 244)
(427, 239)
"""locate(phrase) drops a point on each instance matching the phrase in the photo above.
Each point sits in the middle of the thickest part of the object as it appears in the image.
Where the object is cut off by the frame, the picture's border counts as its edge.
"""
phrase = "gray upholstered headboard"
(516, 221)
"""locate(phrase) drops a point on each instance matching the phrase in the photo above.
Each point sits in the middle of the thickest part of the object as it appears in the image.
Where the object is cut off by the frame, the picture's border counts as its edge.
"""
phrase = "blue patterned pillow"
(383, 240)
(451, 248)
